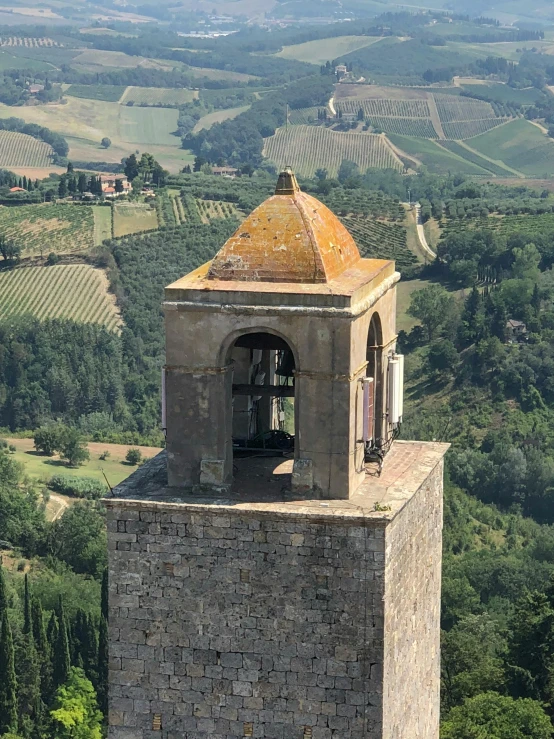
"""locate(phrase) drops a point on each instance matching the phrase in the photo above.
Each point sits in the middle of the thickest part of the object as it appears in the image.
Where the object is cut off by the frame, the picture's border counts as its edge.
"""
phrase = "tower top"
(290, 237)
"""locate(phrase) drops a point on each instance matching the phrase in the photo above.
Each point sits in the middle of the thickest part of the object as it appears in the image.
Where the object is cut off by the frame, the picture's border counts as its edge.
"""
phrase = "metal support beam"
(275, 391)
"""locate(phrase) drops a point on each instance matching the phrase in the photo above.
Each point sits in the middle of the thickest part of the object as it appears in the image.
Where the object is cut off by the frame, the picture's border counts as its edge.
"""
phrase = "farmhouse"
(108, 183)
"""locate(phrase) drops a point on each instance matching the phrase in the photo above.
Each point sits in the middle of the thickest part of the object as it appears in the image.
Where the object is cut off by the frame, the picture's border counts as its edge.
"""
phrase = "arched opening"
(374, 357)
(262, 397)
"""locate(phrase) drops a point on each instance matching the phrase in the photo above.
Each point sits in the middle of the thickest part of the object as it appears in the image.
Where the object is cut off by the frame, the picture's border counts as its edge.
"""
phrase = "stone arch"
(374, 358)
(262, 364)
(230, 340)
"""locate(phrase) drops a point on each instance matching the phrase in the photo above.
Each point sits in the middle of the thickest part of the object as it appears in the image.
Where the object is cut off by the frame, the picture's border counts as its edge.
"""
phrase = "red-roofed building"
(17, 189)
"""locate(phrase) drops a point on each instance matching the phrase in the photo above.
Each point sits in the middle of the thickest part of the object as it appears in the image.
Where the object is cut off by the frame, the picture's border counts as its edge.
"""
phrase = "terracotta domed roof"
(291, 237)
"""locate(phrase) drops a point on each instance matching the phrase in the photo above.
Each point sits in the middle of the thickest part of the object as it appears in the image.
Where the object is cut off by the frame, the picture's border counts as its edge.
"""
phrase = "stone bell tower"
(276, 572)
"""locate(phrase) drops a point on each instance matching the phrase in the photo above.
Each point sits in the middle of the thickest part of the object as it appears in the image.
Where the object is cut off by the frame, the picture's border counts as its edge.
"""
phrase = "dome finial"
(287, 184)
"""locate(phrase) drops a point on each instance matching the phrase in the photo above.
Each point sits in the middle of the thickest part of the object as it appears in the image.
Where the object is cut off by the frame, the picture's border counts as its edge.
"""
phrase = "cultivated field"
(520, 145)
(92, 59)
(323, 50)
(108, 93)
(41, 229)
(20, 150)
(379, 239)
(437, 159)
(463, 150)
(75, 291)
(503, 93)
(130, 218)
(453, 108)
(405, 117)
(306, 148)
(28, 42)
(158, 95)
(303, 116)
(218, 116)
(386, 107)
(468, 129)
(210, 209)
(10, 61)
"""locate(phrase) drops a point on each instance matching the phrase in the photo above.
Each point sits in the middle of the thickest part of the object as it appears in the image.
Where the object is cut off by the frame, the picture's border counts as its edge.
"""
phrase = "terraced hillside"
(405, 117)
(20, 150)
(75, 291)
(306, 148)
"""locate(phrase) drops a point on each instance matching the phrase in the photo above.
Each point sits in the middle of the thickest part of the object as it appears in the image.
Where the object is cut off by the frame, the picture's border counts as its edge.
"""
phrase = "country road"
(62, 505)
(421, 234)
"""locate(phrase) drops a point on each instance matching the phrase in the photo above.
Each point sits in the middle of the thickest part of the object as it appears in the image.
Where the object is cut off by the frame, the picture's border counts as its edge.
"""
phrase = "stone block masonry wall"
(237, 623)
(411, 704)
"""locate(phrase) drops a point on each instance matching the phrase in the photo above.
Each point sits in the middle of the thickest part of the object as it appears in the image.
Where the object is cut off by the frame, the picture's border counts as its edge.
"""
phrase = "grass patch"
(130, 218)
(85, 122)
(75, 291)
(219, 116)
(43, 468)
(323, 50)
(102, 223)
(158, 95)
(520, 145)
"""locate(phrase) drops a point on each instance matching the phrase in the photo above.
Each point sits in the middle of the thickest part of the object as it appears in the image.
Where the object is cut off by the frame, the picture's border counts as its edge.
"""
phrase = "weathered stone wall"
(412, 615)
(221, 620)
(229, 621)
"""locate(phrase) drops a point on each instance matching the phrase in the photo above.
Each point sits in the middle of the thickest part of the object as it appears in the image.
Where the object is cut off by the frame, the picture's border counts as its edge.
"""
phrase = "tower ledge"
(260, 487)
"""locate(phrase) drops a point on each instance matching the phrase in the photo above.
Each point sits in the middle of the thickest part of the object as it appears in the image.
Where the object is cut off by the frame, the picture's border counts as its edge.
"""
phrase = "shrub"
(78, 487)
(133, 456)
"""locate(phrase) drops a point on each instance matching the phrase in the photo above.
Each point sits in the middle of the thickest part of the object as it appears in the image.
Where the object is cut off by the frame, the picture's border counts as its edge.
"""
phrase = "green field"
(130, 218)
(323, 50)
(523, 223)
(10, 61)
(505, 94)
(102, 223)
(306, 148)
(107, 93)
(85, 122)
(20, 150)
(219, 116)
(158, 96)
(435, 158)
(43, 468)
(472, 156)
(41, 229)
(75, 291)
(520, 145)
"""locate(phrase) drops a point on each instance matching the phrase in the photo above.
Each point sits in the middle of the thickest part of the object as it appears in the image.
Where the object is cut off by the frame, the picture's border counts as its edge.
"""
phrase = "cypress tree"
(28, 682)
(52, 632)
(104, 595)
(43, 650)
(27, 626)
(60, 658)
(103, 666)
(8, 683)
(3, 593)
